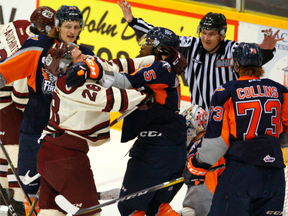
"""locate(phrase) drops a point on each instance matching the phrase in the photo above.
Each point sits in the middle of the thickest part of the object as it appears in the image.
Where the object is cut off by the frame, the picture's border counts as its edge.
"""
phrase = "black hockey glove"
(149, 101)
(176, 59)
(80, 71)
(194, 172)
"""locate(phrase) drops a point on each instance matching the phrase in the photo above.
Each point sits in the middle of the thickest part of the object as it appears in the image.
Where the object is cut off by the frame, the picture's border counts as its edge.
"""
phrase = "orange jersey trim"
(160, 92)
(211, 178)
(17, 67)
(228, 114)
(284, 113)
(248, 77)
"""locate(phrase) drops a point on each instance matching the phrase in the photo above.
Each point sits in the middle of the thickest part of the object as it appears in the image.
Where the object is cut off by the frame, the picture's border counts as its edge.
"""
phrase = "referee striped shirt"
(205, 72)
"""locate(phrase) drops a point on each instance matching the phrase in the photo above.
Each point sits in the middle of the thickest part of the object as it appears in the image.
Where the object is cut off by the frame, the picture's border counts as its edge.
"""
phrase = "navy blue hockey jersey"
(164, 115)
(246, 119)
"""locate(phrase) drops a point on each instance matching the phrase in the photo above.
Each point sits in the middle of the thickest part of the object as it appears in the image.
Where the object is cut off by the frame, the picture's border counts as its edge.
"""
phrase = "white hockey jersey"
(13, 95)
(83, 111)
(12, 37)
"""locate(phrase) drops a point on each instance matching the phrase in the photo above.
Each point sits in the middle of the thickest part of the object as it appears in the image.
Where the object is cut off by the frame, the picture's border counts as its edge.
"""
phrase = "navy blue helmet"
(68, 13)
(248, 54)
(160, 37)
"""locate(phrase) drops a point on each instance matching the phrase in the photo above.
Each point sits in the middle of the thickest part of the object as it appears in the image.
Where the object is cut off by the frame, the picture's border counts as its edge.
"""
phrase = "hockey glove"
(194, 172)
(148, 102)
(80, 71)
(176, 59)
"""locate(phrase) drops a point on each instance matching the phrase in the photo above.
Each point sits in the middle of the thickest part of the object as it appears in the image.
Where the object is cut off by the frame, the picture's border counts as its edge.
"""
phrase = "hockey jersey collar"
(248, 77)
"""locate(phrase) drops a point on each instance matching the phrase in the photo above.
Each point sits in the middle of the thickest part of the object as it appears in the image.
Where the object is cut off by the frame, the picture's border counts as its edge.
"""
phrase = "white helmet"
(196, 121)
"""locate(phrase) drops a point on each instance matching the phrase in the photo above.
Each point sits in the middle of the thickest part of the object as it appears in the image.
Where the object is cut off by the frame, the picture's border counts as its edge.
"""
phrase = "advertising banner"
(107, 33)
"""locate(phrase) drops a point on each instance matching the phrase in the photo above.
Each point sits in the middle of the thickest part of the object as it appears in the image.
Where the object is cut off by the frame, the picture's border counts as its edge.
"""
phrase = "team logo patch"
(34, 37)
(48, 14)
(185, 41)
(269, 159)
(167, 32)
(48, 60)
(220, 88)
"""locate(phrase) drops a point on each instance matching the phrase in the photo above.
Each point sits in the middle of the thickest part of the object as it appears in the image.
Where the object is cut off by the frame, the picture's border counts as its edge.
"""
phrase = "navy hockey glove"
(194, 172)
(80, 71)
(149, 101)
(176, 59)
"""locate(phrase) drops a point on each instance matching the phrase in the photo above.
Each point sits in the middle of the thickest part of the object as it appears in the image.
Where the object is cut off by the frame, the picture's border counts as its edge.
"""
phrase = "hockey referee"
(208, 55)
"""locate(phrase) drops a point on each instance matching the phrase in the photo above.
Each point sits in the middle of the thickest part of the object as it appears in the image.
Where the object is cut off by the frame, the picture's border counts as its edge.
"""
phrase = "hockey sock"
(27, 206)
(139, 213)
(166, 210)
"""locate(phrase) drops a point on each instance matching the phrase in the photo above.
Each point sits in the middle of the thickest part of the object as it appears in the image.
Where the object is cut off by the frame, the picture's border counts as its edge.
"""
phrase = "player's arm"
(94, 97)
(149, 73)
(80, 71)
(216, 140)
(268, 44)
(16, 67)
(20, 94)
(127, 65)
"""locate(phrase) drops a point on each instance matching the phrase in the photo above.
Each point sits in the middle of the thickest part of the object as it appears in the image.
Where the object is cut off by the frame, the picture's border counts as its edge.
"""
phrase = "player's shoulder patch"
(166, 65)
(220, 88)
(33, 37)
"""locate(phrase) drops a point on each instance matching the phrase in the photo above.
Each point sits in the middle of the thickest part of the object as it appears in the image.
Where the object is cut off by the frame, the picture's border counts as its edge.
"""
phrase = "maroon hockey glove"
(80, 71)
(176, 59)
(194, 172)
(148, 102)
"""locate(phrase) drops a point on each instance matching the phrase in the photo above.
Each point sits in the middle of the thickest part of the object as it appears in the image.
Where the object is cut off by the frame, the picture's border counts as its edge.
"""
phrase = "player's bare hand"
(126, 9)
(269, 40)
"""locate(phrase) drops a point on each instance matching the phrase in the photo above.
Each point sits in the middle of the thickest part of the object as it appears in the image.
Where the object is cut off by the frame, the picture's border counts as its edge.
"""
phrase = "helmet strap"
(218, 45)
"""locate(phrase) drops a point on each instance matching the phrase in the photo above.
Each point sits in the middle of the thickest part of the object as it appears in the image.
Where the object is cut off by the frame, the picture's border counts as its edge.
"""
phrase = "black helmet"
(59, 58)
(213, 21)
(68, 13)
(247, 54)
(42, 20)
(161, 37)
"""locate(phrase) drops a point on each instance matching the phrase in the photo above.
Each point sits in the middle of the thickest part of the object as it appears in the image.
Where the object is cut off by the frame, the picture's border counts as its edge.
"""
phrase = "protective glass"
(147, 41)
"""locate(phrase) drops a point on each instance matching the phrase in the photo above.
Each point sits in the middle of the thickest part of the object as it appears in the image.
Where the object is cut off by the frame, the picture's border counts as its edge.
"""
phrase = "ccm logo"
(93, 68)
(150, 134)
(274, 212)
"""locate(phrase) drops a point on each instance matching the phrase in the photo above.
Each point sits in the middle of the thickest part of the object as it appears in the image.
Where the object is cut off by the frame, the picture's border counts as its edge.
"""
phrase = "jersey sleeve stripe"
(110, 100)
(225, 133)
(124, 100)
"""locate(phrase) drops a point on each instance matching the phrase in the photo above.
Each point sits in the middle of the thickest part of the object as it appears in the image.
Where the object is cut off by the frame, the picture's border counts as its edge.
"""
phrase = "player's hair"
(250, 71)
